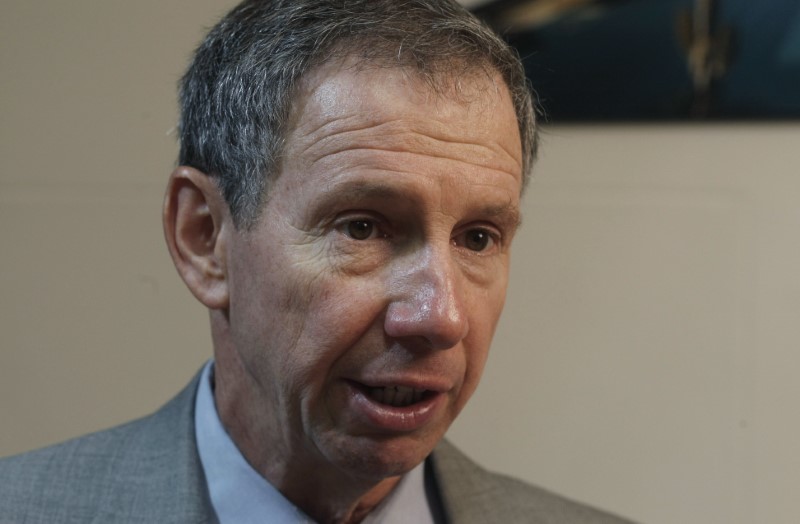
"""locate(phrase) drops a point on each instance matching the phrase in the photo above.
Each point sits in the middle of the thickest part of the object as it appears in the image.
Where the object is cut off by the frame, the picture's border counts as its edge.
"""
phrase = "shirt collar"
(241, 495)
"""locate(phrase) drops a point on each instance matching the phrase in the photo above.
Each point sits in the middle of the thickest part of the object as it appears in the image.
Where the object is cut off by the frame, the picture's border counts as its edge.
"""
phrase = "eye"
(360, 229)
(476, 239)
(362, 226)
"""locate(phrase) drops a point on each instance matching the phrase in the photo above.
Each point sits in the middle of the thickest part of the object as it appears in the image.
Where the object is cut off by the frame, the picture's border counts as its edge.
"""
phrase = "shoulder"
(472, 494)
(65, 478)
(120, 474)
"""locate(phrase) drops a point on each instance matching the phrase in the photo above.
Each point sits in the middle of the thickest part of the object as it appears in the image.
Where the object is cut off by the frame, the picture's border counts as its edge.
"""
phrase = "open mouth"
(394, 408)
(395, 396)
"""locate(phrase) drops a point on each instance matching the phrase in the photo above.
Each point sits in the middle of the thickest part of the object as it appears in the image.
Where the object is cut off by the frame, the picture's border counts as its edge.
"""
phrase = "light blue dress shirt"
(240, 495)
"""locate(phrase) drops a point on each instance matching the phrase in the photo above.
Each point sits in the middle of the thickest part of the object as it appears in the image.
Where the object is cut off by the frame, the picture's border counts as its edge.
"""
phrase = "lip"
(390, 419)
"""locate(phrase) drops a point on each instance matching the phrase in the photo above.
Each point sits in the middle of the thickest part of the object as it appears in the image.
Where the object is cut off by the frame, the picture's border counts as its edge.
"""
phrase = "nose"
(427, 303)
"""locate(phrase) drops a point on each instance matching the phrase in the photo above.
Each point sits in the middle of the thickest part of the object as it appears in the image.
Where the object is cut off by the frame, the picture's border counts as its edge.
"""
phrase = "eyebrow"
(353, 192)
(509, 213)
(358, 190)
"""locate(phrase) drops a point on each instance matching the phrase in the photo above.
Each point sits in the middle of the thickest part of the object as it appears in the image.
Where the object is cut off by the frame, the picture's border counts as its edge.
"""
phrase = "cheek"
(340, 309)
(332, 313)
(486, 314)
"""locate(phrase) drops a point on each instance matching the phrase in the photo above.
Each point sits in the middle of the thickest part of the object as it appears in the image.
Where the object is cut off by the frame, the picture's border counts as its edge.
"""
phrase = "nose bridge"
(428, 302)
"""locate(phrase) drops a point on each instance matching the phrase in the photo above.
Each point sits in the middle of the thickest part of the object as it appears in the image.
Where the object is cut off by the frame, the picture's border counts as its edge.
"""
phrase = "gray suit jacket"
(148, 471)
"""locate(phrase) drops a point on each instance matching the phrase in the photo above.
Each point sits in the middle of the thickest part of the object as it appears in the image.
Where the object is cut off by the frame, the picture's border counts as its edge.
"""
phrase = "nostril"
(427, 302)
(439, 327)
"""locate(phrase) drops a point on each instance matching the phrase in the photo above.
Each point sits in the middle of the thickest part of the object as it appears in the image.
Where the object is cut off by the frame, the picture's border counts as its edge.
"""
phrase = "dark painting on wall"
(634, 60)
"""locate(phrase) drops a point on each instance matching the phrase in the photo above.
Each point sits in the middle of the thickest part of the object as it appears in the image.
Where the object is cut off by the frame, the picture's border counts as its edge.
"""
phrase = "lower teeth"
(396, 397)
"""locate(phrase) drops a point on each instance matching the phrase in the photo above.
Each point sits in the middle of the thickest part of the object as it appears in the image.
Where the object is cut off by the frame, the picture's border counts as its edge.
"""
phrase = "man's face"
(363, 303)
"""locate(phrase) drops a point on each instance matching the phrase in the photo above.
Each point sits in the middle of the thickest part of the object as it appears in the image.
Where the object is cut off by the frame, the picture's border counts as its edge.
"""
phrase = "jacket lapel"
(156, 474)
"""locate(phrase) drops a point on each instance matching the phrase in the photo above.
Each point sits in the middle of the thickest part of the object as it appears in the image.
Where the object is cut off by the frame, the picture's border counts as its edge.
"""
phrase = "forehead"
(474, 110)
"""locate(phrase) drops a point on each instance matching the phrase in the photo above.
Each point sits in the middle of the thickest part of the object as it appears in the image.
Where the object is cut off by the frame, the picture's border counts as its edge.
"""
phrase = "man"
(347, 194)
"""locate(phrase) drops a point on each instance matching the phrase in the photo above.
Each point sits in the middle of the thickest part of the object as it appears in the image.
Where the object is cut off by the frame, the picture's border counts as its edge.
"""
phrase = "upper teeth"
(397, 395)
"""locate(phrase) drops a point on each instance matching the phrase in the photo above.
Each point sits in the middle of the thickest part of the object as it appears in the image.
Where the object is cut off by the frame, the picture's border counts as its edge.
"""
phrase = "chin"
(378, 458)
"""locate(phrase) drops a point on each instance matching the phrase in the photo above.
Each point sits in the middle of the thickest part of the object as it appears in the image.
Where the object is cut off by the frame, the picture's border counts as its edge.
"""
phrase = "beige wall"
(648, 354)
(647, 359)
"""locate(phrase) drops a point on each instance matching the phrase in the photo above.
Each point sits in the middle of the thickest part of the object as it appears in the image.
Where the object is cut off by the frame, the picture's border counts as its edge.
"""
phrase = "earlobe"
(196, 225)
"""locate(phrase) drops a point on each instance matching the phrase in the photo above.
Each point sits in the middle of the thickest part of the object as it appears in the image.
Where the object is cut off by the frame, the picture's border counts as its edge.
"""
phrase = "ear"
(196, 226)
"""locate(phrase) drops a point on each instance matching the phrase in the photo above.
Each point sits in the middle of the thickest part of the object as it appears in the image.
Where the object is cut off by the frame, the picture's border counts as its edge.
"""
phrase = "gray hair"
(237, 94)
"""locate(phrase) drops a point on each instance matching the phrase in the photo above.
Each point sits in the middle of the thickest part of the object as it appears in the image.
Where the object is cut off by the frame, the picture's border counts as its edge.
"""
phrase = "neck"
(325, 492)
(327, 504)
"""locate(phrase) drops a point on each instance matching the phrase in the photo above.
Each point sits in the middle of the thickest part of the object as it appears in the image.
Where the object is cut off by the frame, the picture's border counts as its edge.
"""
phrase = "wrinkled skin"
(381, 258)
